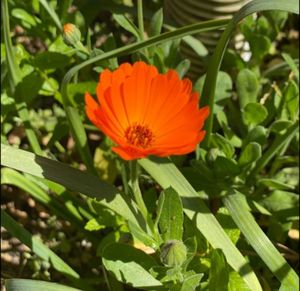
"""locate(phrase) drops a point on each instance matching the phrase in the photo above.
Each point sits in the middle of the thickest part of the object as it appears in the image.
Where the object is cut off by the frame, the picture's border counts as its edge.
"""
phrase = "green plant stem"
(271, 152)
(140, 18)
(134, 183)
(16, 78)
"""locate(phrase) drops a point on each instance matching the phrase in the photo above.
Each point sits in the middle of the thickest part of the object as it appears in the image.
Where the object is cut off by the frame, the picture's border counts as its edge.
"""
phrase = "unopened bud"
(71, 34)
(173, 253)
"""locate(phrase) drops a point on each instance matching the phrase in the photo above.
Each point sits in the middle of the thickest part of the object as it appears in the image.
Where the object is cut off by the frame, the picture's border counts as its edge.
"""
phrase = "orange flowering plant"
(171, 156)
(147, 113)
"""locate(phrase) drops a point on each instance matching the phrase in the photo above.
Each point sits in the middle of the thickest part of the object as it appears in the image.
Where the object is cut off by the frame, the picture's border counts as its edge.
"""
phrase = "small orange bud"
(71, 34)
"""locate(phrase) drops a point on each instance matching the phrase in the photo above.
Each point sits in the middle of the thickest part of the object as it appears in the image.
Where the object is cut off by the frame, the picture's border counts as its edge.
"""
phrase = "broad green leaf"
(171, 217)
(218, 273)
(69, 177)
(228, 224)
(141, 236)
(35, 285)
(156, 23)
(254, 114)
(130, 265)
(223, 88)
(191, 283)
(166, 174)
(279, 125)
(236, 283)
(127, 24)
(225, 167)
(50, 60)
(222, 144)
(257, 134)
(250, 154)
(247, 87)
(260, 45)
(275, 184)
(27, 19)
(281, 200)
(259, 241)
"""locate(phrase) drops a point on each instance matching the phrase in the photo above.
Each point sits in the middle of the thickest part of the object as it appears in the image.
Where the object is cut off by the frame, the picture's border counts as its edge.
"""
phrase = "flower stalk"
(134, 184)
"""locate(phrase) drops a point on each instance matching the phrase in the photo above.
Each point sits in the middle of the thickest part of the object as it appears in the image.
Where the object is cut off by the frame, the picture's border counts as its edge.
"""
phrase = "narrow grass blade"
(167, 175)
(72, 179)
(259, 241)
(216, 60)
(52, 13)
(12, 177)
(35, 285)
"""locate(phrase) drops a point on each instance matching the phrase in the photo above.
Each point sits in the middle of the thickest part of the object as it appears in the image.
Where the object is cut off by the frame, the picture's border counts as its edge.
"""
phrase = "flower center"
(139, 135)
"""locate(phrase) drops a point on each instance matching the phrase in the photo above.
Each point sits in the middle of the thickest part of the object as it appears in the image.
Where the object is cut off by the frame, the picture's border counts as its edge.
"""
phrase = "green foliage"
(192, 224)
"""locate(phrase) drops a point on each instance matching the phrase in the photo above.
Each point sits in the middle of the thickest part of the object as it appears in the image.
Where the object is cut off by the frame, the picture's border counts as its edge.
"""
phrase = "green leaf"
(218, 273)
(280, 200)
(50, 60)
(191, 283)
(275, 184)
(226, 167)
(127, 24)
(247, 87)
(129, 265)
(35, 285)
(223, 87)
(250, 154)
(166, 174)
(183, 67)
(171, 217)
(254, 114)
(279, 125)
(256, 134)
(260, 45)
(156, 23)
(236, 283)
(222, 144)
(291, 96)
(27, 20)
(259, 241)
(292, 65)
(141, 236)
(228, 224)
(52, 13)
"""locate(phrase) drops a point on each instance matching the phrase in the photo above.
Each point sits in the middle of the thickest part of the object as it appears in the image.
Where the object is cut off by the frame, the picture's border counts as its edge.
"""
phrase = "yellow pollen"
(139, 135)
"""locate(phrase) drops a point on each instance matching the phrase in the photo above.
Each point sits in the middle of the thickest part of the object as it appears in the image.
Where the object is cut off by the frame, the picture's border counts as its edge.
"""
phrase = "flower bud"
(173, 253)
(71, 34)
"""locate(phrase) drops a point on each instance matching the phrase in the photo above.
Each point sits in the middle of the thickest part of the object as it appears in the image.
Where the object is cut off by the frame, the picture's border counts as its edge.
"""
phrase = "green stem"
(271, 152)
(140, 18)
(134, 183)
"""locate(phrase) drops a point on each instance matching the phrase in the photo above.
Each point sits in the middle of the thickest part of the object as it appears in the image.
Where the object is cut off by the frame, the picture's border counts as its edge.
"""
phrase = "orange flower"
(147, 113)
